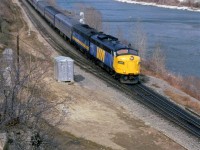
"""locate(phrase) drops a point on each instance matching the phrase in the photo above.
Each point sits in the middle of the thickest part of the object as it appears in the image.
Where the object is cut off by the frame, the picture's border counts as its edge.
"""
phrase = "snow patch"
(157, 5)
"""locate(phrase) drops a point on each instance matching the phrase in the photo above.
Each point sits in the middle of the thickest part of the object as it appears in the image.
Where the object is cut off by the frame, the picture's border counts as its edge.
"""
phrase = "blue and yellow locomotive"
(119, 59)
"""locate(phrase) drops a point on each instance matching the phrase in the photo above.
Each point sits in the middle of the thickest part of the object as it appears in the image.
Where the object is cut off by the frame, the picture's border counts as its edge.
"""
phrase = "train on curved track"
(118, 59)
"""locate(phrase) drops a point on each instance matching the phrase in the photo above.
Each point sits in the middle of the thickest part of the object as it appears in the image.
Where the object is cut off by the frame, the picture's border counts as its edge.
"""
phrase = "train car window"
(127, 51)
(133, 52)
(122, 51)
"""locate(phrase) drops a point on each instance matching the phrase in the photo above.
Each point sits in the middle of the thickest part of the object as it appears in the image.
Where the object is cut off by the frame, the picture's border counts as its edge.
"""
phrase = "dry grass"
(5, 12)
(183, 100)
(155, 66)
(189, 85)
(155, 85)
(10, 23)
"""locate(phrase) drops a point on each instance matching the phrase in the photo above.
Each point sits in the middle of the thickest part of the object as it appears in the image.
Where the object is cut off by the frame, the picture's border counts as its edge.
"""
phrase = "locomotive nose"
(133, 65)
(128, 65)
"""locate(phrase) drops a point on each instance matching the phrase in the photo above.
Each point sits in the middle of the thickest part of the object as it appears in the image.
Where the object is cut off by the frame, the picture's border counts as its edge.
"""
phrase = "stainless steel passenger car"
(65, 24)
(41, 7)
(50, 13)
(34, 2)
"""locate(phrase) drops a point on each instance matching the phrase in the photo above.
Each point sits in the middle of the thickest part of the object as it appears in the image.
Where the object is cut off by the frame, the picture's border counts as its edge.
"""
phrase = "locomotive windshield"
(127, 51)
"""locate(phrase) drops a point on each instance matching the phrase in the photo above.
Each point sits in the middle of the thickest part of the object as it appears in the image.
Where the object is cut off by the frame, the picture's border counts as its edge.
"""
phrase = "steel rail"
(169, 109)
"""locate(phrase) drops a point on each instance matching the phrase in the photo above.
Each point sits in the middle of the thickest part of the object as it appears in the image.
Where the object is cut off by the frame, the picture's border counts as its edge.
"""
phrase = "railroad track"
(170, 110)
(145, 95)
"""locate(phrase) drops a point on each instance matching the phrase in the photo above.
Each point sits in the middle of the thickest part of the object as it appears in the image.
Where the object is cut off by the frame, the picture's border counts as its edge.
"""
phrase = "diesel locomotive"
(118, 59)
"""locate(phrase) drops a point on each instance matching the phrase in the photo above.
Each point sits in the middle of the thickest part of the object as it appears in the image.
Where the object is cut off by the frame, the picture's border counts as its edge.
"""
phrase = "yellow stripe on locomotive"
(127, 64)
(81, 43)
(100, 54)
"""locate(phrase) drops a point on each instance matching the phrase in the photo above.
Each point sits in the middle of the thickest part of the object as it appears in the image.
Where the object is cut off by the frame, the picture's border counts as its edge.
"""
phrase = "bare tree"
(24, 95)
(119, 34)
(23, 101)
(158, 61)
(93, 18)
(140, 40)
(52, 2)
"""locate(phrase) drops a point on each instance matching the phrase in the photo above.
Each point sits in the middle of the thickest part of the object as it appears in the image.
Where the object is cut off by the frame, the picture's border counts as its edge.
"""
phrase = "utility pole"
(18, 57)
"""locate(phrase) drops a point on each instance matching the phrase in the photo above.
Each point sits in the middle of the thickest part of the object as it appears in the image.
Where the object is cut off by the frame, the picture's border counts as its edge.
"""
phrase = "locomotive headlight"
(120, 62)
(131, 58)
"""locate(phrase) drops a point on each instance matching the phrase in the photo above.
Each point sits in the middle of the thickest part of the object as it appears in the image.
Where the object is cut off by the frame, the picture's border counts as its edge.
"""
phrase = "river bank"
(179, 7)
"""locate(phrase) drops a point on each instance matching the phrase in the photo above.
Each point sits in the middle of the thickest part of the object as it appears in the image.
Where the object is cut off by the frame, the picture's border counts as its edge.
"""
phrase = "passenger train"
(118, 59)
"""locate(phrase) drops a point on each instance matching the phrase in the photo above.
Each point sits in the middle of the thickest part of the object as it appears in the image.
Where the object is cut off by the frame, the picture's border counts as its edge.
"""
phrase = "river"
(176, 31)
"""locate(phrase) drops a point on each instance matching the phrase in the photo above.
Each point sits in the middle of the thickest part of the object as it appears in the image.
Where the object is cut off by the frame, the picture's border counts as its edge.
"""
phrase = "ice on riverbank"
(188, 0)
(158, 5)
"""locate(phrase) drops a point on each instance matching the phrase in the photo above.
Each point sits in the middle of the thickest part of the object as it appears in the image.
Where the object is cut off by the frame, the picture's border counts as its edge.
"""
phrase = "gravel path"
(140, 111)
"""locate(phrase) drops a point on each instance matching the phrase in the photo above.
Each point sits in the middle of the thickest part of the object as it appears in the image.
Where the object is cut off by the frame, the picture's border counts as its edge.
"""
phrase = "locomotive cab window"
(133, 52)
(127, 51)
